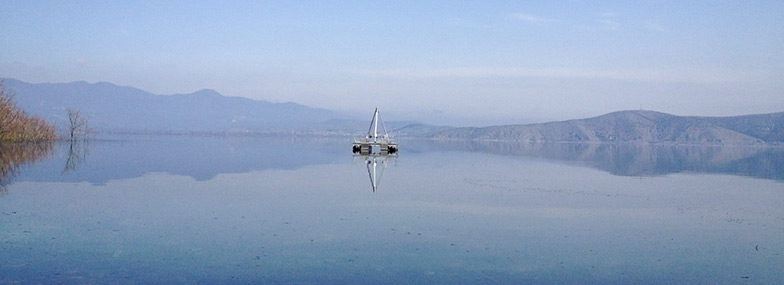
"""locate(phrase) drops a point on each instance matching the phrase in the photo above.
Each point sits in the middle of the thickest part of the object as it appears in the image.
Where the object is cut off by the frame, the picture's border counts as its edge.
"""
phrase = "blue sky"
(458, 62)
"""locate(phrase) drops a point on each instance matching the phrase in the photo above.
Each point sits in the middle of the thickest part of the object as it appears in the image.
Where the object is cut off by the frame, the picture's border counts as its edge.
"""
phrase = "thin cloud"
(610, 21)
(610, 24)
(654, 26)
(645, 75)
(81, 62)
(532, 19)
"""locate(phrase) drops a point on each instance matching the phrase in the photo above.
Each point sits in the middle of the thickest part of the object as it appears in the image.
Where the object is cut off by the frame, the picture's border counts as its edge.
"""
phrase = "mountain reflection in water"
(210, 209)
(200, 157)
(203, 158)
(642, 159)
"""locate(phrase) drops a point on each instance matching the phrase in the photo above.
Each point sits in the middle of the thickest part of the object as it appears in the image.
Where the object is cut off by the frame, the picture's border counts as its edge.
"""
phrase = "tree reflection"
(77, 152)
(13, 156)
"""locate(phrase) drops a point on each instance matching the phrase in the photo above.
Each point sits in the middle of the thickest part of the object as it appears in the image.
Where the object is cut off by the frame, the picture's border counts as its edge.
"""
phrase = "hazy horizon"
(469, 63)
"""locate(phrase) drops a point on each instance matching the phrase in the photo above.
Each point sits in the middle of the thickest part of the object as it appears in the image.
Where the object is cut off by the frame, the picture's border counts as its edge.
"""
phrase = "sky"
(441, 62)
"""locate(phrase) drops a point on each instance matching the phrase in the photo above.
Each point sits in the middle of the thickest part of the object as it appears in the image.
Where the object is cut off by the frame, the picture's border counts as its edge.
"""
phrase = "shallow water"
(295, 210)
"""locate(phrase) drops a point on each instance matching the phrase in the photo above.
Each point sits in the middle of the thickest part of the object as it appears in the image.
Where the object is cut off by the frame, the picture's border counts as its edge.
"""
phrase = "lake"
(201, 209)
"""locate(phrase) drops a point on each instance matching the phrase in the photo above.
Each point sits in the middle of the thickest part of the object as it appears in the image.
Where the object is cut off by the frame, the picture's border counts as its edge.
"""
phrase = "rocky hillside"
(637, 126)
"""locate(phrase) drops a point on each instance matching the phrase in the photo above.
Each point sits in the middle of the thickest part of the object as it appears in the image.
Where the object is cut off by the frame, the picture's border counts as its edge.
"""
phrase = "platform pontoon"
(372, 143)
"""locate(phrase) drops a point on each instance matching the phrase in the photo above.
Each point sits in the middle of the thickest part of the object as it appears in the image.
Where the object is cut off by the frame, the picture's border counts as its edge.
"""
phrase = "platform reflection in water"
(376, 164)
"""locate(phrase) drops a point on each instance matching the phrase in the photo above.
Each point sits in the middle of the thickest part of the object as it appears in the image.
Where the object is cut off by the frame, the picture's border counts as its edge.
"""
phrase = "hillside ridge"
(637, 126)
(112, 107)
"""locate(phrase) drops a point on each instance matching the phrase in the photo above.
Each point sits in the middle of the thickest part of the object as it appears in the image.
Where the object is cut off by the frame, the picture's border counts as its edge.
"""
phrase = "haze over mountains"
(109, 107)
(637, 126)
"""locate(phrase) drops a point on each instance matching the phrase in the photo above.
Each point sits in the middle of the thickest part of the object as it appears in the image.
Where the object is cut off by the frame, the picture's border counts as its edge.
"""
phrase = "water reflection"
(203, 158)
(643, 159)
(200, 157)
(15, 155)
(77, 153)
(376, 163)
(452, 217)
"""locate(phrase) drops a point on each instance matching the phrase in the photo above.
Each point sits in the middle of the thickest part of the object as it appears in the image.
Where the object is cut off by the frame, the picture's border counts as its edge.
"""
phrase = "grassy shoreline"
(17, 126)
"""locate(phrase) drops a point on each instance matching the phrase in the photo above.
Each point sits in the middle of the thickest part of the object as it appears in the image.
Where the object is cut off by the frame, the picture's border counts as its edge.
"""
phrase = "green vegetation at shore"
(18, 126)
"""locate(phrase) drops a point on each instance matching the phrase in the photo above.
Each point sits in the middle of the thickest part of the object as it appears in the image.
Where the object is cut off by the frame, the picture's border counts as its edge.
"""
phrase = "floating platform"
(372, 143)
(369, 147)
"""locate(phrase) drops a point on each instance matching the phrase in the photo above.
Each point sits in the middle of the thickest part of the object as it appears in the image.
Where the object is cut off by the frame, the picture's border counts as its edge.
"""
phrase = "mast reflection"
(375, 163)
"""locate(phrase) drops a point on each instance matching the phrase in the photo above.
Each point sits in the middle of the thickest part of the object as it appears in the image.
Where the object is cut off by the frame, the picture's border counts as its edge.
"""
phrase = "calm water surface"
(168, 209)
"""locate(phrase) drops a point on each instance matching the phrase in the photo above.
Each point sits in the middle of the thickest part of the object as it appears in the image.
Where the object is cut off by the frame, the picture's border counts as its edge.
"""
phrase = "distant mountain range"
(114, 108)
(109, 107)
(637, 126)
(120, 108)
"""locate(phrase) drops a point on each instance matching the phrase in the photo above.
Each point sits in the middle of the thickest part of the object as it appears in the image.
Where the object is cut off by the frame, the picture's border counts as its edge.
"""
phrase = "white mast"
(371, 140)
(373, 130)
(375, 125)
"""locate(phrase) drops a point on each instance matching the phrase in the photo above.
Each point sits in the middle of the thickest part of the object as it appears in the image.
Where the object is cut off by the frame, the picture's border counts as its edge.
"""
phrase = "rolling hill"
(121, 108)
(637, 126)
(109, 107)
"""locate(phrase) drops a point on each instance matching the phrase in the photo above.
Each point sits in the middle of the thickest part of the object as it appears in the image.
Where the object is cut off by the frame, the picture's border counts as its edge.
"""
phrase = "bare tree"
(77, 125)
(78, 133)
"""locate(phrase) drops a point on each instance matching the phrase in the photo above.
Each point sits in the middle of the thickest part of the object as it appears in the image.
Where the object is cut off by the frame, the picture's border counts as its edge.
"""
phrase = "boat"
(373, 143)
